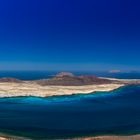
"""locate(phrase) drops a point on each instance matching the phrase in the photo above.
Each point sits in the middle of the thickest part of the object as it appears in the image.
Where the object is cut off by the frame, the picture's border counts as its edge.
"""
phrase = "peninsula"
(62, 84)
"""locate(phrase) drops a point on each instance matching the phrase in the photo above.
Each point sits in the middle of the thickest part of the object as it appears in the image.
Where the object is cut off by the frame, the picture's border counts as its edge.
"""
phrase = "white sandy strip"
(115, 79)
(32, 89)
(2, 138)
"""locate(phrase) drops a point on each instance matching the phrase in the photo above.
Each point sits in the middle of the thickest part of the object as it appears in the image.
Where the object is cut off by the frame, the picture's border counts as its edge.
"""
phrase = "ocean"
(104, 113)
(35, 75)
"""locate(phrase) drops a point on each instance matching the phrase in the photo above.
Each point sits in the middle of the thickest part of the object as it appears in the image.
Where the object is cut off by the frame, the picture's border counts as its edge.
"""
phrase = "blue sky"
(69, 35)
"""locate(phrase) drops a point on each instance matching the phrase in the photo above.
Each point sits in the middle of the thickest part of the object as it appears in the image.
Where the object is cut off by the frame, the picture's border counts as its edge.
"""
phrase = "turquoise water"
(115, 112)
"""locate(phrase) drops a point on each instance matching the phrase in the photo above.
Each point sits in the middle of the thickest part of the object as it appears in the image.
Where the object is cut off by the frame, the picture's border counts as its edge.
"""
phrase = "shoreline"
(32, 89)
(111, 137)
(12, 137)
(108, 137)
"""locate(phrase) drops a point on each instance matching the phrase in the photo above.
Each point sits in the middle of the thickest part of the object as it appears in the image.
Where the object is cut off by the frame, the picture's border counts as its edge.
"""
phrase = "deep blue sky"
(69, 34)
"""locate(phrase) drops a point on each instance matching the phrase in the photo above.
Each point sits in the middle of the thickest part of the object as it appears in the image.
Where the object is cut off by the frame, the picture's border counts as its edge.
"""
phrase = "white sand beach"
(33, 89)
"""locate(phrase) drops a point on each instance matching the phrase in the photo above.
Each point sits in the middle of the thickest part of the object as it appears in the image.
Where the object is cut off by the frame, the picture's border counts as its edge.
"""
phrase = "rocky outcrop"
(68, 79)
(11, 80)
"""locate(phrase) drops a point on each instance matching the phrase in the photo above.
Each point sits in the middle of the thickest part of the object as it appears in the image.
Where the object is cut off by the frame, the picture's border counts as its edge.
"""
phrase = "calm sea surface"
(34, 75)
(115, 112)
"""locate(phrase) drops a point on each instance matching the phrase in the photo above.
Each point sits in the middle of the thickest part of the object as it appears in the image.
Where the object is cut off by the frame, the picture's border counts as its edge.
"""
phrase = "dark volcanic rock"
(68, 79)
(12, 80)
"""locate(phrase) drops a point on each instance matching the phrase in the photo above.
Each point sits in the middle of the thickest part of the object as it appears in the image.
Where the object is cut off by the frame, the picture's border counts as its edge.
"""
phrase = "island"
(63, 83)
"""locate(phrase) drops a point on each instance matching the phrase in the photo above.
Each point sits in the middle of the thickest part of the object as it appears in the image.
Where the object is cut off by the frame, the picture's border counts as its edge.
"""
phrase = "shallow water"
(115, 112)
